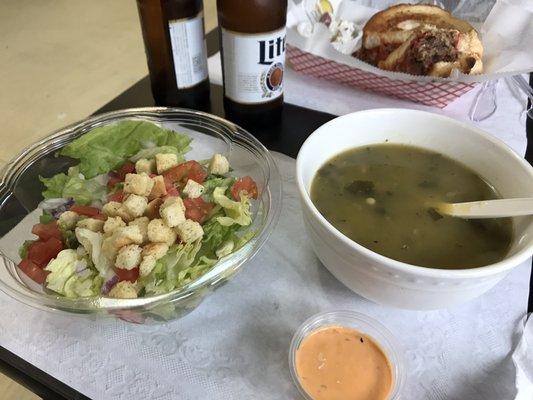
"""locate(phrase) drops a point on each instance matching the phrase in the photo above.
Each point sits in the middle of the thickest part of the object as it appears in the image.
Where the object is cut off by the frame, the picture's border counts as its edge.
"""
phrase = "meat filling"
(430, 47)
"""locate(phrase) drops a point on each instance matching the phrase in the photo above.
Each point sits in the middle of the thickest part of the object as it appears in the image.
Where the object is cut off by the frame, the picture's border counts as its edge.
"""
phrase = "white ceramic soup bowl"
(383, 279)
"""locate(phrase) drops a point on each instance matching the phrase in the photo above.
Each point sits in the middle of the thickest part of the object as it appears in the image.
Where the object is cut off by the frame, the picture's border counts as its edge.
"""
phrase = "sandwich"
(421, 40)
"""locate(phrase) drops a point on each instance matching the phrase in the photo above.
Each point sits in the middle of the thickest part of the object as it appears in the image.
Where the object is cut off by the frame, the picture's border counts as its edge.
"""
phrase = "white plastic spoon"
(487, 208)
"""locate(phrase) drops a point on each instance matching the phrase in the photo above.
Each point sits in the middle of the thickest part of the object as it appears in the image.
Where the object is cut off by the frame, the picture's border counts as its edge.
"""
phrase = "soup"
(380, 197)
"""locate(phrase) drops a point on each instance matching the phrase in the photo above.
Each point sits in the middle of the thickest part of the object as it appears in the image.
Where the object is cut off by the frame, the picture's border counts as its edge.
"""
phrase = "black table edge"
(48, 387)
(34, 379)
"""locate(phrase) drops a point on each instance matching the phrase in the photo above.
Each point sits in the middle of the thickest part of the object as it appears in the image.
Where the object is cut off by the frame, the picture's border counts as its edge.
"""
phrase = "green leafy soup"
(380, 196)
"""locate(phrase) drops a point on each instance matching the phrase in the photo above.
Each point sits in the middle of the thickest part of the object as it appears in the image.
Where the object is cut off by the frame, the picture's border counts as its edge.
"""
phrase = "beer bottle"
(252, 35)
(174, 39)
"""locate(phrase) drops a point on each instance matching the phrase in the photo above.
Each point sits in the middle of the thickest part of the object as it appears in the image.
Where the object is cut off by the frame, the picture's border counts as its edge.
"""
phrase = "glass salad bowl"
(20, 195)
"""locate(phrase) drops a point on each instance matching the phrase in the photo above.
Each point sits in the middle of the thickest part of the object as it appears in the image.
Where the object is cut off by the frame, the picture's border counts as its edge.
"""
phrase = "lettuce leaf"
(61, 269)
(83, 284)
(69, 238)
(240, 241)
(106, 148)
(215, 236)
(201, 267)
(92, 242)
(54, 186)
(83, 191)
(46, 217)
(212, 183)
(164, 276)
(65, 279)
(237, 212)
(220, 240)
(73, 185)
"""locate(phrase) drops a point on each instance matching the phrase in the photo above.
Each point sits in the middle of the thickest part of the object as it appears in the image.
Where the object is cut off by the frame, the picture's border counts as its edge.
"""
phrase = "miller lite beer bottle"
(252, 35)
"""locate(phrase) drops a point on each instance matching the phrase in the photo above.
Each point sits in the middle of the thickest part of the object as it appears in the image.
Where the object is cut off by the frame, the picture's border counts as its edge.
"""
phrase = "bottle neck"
(252, 16)
(180, 9)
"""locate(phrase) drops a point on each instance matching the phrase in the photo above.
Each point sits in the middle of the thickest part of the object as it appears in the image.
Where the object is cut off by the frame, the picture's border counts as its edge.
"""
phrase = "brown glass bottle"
(174, 39)
(252, 35)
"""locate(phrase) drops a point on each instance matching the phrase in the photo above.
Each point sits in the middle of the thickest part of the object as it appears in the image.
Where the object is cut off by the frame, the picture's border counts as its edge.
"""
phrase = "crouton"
(159, 189)
(189, 231)
(123, 213)
(124, 290)
(122, 236)
(135, 205)
(68, 219)
(172, 211)
(147, 265)
(152, 210)
(219, 165)
(159, 232)
(142, 223)
(156, 250)
(193, 189)
(92, 224)
(128, 257)
(112, 224)
(165, 162)
(111, 209)
(145, 166)
(139, 184)
(126, 235)
(109, 250)
(116, 209)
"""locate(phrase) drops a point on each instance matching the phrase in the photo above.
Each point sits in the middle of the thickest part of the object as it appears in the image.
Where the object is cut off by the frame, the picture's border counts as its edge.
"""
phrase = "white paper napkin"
(523, 362)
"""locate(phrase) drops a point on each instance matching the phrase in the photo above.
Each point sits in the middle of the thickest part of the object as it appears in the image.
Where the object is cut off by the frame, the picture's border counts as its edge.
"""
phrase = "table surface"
(287, 137)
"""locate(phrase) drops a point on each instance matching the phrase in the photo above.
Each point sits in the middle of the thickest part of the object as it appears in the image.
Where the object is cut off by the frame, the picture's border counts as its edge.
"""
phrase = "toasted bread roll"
(421, 40)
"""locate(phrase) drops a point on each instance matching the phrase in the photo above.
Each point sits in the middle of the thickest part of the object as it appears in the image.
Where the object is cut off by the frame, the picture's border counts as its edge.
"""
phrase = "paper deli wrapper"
(505, 28)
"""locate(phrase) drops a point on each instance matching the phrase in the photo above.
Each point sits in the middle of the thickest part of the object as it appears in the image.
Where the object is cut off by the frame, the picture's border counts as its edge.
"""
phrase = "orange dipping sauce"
(339, 363)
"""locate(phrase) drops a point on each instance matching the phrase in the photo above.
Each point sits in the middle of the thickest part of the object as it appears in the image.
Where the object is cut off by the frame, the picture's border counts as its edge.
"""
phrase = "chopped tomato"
(172, 191)
(185, 171)
(127, 275)
(113, 181)
(168, 183)
(117, 196)
(197, 209)
(33, 271)
(194, 214)
(127, 168)
(86, 210)
(47, 231)
(41, 252)
(245, 184)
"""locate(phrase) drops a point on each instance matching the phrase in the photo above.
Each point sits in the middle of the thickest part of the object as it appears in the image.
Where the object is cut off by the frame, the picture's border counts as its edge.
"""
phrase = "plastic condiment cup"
(362, 323)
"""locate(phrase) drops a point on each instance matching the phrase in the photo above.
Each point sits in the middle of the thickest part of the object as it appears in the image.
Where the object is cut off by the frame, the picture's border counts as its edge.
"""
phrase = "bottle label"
(188, 50)
(253, 65)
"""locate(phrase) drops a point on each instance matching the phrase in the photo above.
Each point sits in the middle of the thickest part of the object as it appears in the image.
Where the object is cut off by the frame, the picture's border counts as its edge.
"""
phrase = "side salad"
(135, 218)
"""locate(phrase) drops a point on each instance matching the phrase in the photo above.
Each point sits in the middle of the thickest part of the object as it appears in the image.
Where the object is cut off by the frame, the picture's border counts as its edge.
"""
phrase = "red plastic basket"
(436, 94)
